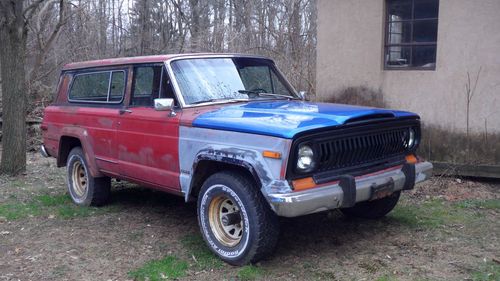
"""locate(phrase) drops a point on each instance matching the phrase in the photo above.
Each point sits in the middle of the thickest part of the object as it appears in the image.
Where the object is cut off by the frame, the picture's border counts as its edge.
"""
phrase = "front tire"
(84, 189)
(373, 209)
(235, 220)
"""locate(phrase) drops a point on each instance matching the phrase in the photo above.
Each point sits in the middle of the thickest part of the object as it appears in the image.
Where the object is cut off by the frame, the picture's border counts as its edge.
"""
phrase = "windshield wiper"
(218, 100)
(254, 94)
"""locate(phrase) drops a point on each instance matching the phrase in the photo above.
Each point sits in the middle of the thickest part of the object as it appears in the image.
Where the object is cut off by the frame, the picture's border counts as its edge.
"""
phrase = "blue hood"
(285, 119)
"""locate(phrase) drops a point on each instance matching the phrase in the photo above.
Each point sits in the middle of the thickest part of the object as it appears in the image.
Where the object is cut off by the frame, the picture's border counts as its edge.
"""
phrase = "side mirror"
(164, 104)
(303, 95)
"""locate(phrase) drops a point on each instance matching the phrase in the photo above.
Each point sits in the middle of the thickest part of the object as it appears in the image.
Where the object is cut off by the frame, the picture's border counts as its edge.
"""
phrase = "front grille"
(358, 147)
(343, 152)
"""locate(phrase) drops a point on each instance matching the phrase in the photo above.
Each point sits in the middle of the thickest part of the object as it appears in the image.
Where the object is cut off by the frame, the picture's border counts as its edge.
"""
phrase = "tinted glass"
(425, 9)
(398, 56)
(424, 56)
(399, 10)
(146, 86)
(399, 32)
(256, 78)
(90, 87)
(279, 87)
(117, 86)
(425, 31)
(143, 81)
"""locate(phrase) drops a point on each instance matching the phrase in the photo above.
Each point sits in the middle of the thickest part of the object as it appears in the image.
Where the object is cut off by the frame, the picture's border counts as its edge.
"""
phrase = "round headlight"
(305, 158)
(411, 138)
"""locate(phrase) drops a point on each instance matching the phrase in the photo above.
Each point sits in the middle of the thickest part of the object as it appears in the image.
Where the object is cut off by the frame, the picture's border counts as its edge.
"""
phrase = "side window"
(167, 91)
(90, 87)
(146, 85)
(96, 87)
(262, 78)
(117, 86)
(252, 77)
(279, 88)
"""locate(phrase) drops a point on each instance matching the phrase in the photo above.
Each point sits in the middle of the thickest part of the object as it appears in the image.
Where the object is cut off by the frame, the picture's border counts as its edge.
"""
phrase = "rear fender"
(87, 146)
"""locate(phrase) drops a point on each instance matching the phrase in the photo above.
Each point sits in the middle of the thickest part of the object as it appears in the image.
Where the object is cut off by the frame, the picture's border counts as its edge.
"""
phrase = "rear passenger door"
(95, 98)
(148, 139)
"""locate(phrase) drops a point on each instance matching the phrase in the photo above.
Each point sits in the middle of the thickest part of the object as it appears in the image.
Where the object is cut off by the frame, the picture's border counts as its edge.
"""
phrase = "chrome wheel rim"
(79, 178)
(225, 221)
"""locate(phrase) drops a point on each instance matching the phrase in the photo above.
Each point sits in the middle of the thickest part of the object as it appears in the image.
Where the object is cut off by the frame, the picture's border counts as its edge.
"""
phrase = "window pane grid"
(411, 38)
(411, 20)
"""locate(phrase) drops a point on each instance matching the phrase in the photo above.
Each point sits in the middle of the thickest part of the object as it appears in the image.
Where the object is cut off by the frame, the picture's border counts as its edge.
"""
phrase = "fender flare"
(220, 157)
(82, 135)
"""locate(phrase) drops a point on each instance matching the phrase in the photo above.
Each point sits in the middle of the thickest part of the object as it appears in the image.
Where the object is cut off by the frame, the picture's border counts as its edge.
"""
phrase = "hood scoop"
(370, 117)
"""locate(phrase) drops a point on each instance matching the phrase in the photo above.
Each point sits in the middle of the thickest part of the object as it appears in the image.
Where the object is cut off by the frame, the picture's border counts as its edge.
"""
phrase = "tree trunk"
(13, 36)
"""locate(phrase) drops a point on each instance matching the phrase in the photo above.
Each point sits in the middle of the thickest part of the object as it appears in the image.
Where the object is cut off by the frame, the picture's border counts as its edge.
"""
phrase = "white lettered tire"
(84, 189)
(235, 220)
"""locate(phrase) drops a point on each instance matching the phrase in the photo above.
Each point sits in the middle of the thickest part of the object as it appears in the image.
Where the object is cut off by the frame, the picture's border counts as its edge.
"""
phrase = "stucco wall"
(350, 53)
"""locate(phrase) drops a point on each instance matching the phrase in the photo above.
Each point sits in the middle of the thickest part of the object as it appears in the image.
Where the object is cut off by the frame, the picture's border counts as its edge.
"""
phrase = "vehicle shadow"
(333, 233)
(321, 233)
(136, 198)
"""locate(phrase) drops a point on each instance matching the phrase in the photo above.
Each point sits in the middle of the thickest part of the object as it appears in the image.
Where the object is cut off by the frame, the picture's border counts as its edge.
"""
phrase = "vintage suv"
(230, 132)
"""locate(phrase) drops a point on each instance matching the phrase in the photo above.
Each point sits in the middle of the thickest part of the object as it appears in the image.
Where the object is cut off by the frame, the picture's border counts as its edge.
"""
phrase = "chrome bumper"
(43, 151)
(360, 189)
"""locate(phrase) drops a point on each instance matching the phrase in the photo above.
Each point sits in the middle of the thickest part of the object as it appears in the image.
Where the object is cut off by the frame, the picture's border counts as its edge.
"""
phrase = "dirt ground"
(445, 229)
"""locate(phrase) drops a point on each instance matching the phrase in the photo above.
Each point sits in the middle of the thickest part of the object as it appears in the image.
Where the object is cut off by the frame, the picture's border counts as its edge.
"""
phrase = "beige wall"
(350, 53)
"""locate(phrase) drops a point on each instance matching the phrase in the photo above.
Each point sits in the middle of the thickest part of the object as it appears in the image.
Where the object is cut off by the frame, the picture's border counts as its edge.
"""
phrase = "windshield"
(213, 79)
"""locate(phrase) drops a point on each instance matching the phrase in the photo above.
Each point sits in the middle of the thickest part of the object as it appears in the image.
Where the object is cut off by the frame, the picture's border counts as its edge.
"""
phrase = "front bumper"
(348, 190)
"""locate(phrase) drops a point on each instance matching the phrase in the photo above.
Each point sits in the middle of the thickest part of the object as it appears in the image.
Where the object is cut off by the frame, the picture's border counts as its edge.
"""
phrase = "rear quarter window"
(104, 87)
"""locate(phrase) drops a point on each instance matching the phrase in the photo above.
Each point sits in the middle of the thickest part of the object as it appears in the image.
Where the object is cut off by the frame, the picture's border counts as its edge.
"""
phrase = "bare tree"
(14, 20)
(39, 36)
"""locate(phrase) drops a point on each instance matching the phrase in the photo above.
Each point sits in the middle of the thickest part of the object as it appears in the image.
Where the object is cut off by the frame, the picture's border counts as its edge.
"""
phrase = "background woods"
(38, 37)
(283, 29)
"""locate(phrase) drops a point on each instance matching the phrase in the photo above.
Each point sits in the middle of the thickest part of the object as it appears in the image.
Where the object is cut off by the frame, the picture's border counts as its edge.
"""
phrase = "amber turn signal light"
(411, 159)
(271, 154)
(303, 184)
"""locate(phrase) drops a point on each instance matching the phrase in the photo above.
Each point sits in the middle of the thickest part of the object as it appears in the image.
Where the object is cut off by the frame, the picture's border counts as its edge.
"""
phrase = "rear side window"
(102, 87)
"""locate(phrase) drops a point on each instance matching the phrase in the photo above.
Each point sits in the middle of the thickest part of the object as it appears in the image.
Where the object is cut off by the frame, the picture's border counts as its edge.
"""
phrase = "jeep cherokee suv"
(230, 132)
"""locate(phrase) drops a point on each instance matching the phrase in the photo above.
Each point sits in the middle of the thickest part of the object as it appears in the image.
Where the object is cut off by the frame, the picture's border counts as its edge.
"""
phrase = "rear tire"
(84, 189)
(373, 209)
(235, 220)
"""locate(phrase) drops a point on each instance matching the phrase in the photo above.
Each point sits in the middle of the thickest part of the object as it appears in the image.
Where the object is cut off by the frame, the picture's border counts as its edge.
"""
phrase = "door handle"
(123, 111)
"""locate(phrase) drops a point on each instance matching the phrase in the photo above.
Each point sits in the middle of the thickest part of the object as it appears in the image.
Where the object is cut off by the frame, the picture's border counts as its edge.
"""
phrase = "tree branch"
(43, 49)
(30, 10)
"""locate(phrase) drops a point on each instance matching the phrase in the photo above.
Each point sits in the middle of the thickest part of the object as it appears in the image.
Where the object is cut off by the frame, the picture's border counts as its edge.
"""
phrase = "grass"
(203, 257)
(489, 271)
(493, 204)
(250, 272)
(433, 214)
(172, 267)
(59, 205)
(387, 278)
(169, 267)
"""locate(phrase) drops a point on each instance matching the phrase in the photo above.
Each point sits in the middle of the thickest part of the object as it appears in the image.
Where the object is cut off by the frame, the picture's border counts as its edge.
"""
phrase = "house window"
(411, 34)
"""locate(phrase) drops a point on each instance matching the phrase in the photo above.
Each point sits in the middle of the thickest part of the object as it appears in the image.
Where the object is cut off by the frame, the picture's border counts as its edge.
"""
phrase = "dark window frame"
(165, 81)
(411, 21)
(84, 72)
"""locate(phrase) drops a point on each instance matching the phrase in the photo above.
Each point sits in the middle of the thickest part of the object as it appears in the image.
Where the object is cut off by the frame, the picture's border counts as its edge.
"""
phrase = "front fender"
(235, 148)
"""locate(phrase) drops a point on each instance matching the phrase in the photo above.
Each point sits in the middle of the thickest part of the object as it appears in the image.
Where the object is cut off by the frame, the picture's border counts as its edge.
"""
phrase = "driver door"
(148, 139)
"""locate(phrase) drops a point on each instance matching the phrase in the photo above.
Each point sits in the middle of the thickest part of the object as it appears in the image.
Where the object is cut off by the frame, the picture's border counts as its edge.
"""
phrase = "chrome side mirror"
(164, 104)
(303, 95)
